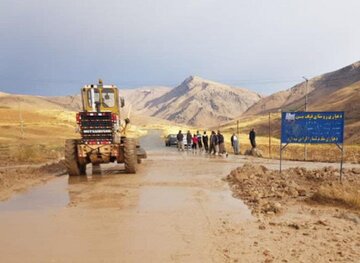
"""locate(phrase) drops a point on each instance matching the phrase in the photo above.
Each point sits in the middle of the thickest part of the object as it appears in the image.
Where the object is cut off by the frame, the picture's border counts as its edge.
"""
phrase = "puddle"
(223, 202)
(169, 199)
(51, 195)
(159, 198)
(153, 141)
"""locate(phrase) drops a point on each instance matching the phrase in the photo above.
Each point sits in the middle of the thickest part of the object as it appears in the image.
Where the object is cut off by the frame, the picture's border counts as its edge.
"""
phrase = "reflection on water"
(160, 198)
(77, 179)
(41, 197)
(169, 198)
(96, 169)
(152, 141)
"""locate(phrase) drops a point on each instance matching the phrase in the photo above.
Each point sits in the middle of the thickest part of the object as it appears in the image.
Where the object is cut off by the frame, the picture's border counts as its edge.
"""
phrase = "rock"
(262, 226)
(321, 222)
(254, 152)
(301, 192)
(267, 252)
(277, 207)
(292, 191)
(355, 170)
(294, 225)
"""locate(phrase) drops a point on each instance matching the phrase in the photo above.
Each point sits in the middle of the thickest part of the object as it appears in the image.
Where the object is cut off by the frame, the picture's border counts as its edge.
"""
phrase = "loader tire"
(130, 156)
(82, 168)
(71, 163)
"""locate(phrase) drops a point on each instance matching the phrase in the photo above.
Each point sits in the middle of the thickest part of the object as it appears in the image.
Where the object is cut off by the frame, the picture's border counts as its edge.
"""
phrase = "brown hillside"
(201, 102)
(318, 89)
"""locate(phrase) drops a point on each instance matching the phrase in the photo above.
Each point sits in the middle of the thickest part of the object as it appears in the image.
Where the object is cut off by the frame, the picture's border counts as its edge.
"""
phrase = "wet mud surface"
(177, 208)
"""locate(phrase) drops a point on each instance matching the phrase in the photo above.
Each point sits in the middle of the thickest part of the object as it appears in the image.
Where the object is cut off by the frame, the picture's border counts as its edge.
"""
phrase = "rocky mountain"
(321, 90)
(201, 102)
(139, 97)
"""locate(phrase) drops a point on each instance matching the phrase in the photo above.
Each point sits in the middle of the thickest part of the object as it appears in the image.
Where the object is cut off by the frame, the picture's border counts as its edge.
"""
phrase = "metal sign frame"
(340, 145)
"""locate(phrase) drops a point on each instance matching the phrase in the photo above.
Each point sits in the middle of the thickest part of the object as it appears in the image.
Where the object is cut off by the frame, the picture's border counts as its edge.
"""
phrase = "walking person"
(199, 141)
(221, 143)
(195, 143)
(188, 140)
(252, 138)
(235, 143)
(206, 141)
(180, 142)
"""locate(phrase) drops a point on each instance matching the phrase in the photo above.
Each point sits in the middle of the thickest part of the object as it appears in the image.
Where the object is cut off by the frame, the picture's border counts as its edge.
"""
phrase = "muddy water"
(173, 210)
(50, 196)
(176, 208)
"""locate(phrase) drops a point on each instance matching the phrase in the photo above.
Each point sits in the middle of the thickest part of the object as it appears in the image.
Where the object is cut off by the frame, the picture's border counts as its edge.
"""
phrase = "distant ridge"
(201, 102)
(320, 90)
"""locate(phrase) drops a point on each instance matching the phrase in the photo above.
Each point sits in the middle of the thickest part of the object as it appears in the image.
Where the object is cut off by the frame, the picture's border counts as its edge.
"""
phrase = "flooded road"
(172, 210)
(176, 208)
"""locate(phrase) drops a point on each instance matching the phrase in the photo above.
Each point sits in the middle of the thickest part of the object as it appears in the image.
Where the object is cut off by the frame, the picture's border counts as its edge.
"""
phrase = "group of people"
(214, 145)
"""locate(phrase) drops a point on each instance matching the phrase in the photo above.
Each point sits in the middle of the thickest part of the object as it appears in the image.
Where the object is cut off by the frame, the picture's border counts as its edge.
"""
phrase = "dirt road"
(176, 208)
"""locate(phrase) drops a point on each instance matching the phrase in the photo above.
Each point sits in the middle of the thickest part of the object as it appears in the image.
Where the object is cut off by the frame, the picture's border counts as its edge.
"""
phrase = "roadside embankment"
(19, 178)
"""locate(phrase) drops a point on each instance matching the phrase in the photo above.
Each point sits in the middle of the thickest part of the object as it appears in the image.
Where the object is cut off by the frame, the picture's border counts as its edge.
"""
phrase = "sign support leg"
(281, 150)
(280, 155)
(341, 148)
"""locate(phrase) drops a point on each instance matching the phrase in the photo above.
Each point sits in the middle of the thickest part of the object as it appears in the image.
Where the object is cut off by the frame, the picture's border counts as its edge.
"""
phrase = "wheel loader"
(103, 134)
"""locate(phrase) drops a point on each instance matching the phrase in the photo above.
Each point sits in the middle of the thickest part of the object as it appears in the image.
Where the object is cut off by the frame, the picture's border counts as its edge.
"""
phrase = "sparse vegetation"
(342, 194)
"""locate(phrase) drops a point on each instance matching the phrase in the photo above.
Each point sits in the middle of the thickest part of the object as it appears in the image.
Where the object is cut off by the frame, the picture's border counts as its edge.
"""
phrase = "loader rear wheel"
(130, 156)
(82, 168)
(71, 162)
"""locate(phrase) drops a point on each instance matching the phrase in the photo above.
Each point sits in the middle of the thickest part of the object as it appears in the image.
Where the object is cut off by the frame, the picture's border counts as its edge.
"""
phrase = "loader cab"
(100, 98)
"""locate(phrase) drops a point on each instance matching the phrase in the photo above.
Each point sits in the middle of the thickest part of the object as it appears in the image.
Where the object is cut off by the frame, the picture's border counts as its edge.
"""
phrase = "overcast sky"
(52, 47)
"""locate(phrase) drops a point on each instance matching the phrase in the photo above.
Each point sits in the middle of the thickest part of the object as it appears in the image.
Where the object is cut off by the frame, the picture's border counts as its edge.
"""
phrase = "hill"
(320, 90)
(335, 91)
(201, 102)
(139, 97)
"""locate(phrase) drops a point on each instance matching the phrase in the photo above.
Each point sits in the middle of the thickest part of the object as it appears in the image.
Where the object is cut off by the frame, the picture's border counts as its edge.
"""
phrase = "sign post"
(313, 128)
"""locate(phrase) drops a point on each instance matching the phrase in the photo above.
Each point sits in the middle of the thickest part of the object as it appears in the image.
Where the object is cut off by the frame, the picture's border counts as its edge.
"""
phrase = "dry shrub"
(339, 194)
(36, 153)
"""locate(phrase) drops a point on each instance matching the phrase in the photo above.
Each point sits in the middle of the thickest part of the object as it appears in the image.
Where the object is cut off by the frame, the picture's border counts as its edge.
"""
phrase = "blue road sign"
(312, 127)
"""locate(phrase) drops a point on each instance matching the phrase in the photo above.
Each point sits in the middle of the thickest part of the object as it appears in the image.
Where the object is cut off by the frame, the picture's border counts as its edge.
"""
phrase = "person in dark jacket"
(199, 140)
(206, 141)
(252, 138)
(213, 143)
(180, 141)
(221, 142)
(188, 140)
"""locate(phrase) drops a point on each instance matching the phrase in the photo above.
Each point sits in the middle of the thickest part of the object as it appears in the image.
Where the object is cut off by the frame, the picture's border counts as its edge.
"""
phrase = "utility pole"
(269, 135)
(306, 102)
(21, 120)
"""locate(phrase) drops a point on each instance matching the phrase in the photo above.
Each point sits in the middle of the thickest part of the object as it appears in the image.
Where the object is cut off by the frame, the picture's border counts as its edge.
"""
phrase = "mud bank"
(19, 178)
(303, 215)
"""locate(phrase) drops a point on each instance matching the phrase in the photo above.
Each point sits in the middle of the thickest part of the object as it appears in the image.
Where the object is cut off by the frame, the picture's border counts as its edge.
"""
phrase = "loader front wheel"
(130, 156)
(71, 161)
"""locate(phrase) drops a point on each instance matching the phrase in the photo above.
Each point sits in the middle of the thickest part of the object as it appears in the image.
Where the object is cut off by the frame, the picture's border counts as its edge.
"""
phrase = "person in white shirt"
(235, 143)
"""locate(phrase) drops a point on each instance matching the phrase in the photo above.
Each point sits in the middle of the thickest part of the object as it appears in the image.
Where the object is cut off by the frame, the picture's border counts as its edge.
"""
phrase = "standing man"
(221, 142)
(206, 142)
(252, 136)
(188, 140)
(235, 143)
(213, 142)
(199, 140)
(180, 141)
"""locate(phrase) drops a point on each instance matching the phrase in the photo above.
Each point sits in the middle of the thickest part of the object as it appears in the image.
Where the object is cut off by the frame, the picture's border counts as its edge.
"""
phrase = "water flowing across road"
(174, 209)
